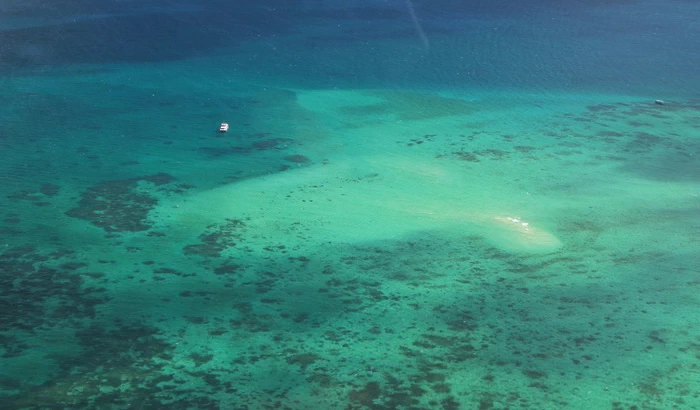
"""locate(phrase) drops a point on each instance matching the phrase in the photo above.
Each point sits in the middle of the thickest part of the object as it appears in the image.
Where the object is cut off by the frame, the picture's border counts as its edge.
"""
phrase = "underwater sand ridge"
(370, 198)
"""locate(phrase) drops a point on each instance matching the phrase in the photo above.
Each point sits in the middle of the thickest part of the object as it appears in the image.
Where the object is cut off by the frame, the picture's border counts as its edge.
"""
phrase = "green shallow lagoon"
(343, 246)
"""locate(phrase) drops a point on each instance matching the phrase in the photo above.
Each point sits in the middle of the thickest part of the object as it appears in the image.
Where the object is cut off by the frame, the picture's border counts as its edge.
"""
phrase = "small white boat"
(223, 127)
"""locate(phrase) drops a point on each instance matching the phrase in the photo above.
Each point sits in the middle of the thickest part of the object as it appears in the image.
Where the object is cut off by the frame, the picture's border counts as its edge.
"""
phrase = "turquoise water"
(418, 205)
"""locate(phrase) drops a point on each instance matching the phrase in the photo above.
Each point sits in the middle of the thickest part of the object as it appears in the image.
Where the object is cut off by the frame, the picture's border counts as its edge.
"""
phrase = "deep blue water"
(634, 47)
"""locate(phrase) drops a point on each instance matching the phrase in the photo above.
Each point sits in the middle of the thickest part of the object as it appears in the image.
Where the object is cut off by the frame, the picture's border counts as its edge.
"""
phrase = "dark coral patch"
(367, 395)
(34, 294)
(128, 355)
(303, 359)
(49, 190)
(25, 195)
(467, 156)
(121, 205)
(227, 268)
(298, 159)
(217, 238)
(274, 143)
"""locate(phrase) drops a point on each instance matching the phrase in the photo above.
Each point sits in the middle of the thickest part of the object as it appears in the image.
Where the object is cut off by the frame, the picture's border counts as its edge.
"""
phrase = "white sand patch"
(516, 234)
(367, 199)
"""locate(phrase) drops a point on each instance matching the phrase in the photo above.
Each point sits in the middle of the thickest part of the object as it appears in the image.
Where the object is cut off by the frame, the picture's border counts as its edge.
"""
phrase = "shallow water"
(496, 215)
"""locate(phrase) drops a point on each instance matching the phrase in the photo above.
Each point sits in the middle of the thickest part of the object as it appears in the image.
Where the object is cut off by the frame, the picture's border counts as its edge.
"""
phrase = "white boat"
(223, 127)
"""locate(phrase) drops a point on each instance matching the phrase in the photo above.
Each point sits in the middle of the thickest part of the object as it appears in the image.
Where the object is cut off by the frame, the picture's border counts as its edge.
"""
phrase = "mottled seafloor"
(418, 205)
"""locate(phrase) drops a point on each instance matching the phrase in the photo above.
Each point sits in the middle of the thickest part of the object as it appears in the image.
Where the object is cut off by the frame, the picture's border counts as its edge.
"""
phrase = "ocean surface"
(447, 204)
